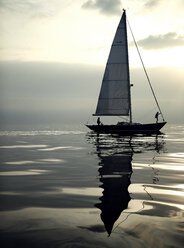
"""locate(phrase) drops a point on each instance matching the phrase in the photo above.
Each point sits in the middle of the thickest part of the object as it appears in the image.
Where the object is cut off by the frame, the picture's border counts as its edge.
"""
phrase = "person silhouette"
(98, 121)
(156, 116)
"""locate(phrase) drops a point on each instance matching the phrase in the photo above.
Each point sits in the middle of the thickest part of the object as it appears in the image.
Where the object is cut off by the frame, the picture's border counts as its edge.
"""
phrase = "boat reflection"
(115, 155)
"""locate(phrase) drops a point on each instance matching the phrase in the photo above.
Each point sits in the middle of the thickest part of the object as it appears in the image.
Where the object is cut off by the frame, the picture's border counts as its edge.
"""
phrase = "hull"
(128, 129)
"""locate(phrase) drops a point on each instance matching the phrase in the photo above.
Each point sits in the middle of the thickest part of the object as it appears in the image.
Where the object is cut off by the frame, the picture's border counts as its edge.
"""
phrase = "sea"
(69, 187)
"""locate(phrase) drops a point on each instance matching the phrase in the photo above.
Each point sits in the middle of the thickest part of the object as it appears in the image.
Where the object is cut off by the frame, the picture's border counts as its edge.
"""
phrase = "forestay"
(114, 98)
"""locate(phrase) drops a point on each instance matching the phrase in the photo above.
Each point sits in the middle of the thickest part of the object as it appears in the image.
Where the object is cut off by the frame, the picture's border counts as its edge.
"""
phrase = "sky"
(53, 53)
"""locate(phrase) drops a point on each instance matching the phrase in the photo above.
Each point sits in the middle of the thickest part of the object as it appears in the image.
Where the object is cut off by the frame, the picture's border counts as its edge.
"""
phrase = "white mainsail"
(114, 98)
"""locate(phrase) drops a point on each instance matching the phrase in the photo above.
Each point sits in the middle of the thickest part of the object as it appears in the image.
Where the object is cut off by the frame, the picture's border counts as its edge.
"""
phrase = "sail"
(114, 98)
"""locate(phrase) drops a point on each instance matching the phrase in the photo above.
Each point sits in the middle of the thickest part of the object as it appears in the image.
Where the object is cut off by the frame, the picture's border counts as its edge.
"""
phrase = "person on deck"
(156, 116)
(98, 121)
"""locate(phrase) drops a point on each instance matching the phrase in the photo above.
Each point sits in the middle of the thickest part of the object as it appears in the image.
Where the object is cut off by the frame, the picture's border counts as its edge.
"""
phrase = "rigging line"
(130, 213)
(144, 188)
(121, 222)
(145, 71)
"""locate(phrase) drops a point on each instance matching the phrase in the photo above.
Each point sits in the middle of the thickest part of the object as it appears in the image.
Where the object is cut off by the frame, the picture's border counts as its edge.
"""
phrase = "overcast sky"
(79, 33)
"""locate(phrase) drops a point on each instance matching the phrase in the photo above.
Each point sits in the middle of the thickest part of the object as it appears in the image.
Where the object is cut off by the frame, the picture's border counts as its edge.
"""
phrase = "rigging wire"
(145, 70)
(122, 221)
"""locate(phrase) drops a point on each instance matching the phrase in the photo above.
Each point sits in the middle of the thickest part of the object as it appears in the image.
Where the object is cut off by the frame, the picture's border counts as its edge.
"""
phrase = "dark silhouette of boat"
(115, 94)
(128, 128)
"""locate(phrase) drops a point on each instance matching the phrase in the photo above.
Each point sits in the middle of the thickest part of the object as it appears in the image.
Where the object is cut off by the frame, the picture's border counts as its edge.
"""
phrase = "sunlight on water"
(23, 173)
(20, 162)
(22, 146)
(179, 140)
(180, 186)
(39, 161)
(55, 160)
(156, 189)
(60, 148)
(166, 166)
(38, 133)
(136, 206)
(176, 155)
(82, 191)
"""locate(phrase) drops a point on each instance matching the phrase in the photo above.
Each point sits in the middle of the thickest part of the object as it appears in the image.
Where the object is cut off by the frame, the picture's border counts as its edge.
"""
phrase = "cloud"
(162, 41)
(107, 7)
(152, 3)
(20, 5)
(32, 8)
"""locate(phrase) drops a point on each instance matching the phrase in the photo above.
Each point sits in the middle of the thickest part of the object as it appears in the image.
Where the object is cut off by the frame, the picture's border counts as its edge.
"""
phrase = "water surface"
(72, 188)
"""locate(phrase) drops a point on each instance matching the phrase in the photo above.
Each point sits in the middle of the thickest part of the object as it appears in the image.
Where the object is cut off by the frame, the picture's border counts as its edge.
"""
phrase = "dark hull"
(128, 129)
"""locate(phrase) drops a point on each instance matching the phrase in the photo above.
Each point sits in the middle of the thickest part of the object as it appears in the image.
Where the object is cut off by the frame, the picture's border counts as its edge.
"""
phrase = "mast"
(128, 74)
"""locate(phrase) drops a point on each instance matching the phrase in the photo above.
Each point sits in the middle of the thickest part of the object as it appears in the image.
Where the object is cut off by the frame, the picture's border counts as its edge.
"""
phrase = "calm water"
(63, 188)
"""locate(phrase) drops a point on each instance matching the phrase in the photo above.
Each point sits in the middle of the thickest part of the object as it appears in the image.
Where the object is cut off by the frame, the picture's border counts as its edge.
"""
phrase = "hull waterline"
(128, 129)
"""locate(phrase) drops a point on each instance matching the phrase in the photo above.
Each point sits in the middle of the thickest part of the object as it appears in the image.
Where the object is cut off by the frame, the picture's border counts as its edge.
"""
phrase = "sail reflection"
(115, 176)
(115, 169)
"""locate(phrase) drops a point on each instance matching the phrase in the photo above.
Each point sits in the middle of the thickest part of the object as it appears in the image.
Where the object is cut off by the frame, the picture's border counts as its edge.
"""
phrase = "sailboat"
(115, 94)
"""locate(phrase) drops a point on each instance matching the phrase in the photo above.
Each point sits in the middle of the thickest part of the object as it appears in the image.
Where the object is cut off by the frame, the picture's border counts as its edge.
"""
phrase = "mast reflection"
(115, 169)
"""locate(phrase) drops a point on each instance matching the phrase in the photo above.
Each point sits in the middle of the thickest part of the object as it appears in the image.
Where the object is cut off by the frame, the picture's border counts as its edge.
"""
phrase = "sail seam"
(99, 114)
(118, 80)
(118, 44)
(116, 63)
(113, 98)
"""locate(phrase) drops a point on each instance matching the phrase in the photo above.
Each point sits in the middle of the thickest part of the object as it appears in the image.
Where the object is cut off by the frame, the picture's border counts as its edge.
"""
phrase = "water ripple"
(37, 133)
